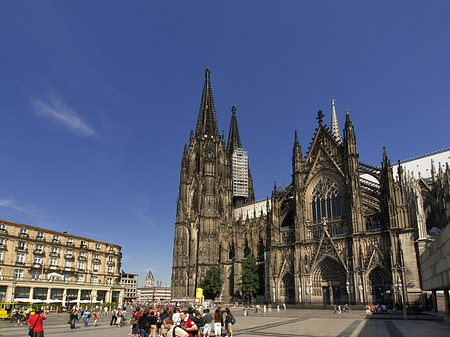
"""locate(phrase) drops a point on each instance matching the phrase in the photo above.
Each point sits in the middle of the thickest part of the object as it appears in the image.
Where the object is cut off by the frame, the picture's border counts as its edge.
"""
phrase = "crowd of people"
(174, 322)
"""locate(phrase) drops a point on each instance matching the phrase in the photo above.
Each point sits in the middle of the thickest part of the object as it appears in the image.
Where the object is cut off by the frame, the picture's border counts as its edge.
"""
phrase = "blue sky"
(97, 99)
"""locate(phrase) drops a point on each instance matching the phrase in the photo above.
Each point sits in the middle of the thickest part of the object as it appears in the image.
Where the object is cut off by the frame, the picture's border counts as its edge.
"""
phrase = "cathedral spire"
(334, 123)
(234, 140)
(297, 158)
(207, 123)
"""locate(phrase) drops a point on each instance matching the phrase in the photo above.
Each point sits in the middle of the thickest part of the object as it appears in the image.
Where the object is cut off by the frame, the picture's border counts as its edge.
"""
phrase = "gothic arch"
(287, 288)
(328, 281)
(324, 197)
(379, 280)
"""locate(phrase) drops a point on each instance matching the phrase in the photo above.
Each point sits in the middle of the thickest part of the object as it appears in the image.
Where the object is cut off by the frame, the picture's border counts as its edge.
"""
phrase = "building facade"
(154, 294)
(130, 284)
(37, 263)
(342, 232)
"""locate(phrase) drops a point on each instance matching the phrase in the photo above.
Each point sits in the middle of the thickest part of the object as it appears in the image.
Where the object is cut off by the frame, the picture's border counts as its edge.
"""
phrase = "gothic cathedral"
(341, 232)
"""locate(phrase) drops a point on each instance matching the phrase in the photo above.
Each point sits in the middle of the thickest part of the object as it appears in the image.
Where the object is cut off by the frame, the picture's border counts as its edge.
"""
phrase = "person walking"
(113, 317)
(95, 318)
(35, 322)
(73, 318)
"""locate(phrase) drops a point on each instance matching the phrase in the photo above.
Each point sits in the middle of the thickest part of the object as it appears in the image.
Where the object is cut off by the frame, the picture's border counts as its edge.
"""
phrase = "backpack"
(133, 320)
(233, 320)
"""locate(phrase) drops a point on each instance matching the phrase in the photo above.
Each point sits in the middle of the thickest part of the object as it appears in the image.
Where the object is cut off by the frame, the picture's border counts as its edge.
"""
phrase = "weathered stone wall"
(435, 263)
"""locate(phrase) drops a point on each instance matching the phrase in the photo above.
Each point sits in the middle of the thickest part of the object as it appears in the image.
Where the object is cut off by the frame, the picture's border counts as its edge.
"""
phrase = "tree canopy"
(250, 277)
(212, 283)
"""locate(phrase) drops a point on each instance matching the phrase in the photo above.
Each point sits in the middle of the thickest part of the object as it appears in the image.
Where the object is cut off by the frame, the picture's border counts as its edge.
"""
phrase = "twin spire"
(207, 122)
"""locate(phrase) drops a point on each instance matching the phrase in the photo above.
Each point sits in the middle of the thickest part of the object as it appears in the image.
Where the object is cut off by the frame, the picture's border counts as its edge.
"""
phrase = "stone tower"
(205, 200)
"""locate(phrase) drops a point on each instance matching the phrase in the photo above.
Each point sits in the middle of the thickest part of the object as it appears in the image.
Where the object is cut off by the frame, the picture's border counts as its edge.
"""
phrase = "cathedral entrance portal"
(380, 282)
(329, 282)
(287, 290)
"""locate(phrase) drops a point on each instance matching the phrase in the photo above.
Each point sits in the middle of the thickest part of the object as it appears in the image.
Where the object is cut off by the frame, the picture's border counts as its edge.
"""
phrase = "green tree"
(250, 278)
(212, 283)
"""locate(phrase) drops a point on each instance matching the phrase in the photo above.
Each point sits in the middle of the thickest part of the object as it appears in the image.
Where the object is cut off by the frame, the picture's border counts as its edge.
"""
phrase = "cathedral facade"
(342, 232)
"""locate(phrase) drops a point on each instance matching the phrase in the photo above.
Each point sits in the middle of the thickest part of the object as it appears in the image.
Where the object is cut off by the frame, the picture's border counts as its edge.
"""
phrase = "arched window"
(326, 200)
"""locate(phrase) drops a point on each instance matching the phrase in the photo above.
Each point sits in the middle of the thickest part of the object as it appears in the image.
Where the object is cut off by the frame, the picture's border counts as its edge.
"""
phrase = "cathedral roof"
(422, 165)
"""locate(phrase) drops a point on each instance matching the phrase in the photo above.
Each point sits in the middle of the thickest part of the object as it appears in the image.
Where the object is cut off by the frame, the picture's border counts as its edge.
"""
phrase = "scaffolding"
(240, 173)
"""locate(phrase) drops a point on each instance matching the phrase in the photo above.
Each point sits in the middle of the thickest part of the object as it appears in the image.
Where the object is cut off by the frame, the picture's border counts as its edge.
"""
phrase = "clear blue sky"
(97, 99)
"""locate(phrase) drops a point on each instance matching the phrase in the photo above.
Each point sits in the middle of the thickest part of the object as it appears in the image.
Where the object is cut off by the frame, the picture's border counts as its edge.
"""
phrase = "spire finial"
(320, 117)
(332, 100)
(233, 109)
(207, 72)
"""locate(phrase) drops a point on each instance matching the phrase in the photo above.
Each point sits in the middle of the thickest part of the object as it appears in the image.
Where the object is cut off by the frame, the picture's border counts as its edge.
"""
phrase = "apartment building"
(41, 264)
(130, 284)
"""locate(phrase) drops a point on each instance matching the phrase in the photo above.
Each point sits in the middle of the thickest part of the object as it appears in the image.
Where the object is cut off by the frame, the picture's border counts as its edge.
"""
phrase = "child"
(95, 318)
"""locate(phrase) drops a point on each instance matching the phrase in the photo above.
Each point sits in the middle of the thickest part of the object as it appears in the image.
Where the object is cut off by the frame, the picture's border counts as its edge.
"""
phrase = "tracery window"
(326, 200)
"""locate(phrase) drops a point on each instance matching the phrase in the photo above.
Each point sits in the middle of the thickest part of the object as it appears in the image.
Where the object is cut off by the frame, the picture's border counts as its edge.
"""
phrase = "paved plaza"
(286, 323)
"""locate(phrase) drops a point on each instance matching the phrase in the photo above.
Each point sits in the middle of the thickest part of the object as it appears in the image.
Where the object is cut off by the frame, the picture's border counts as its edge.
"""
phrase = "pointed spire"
(207, 123)
(234, 140)
(297, 158)
(334, 123)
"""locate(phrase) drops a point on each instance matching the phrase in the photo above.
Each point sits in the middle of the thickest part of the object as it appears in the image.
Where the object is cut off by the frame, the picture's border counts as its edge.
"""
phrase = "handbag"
(69, 321)
(31, 331)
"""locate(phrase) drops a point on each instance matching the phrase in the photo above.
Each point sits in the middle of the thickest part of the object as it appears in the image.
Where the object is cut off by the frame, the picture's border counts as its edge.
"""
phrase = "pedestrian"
(229, 322)
(113, 317)
(176, 316)
(134, 321)
(207, 320)
(173, 330)
(86, 317)
(144, 324)
(152, 320)
(188, 324)
(119, 317)
(95, 318)
(217, 323)
(35, 322)
(73, 318)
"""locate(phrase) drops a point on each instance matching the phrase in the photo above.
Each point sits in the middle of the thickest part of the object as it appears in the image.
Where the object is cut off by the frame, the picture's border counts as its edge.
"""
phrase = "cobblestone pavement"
(286, 323)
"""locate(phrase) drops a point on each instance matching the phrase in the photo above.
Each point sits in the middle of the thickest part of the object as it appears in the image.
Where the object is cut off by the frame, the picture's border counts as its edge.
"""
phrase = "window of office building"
(21, 245)
(95, 268)
(37, 260)
(18, 273)
(98, 246)
(80, 278)
(56, 238)
(80, 265)
(40, 236)
(35, 274)
(53, 262)
(70, 241)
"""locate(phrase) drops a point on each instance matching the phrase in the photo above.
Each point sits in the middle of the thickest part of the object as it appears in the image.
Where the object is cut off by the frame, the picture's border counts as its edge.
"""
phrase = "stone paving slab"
(286, 323)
